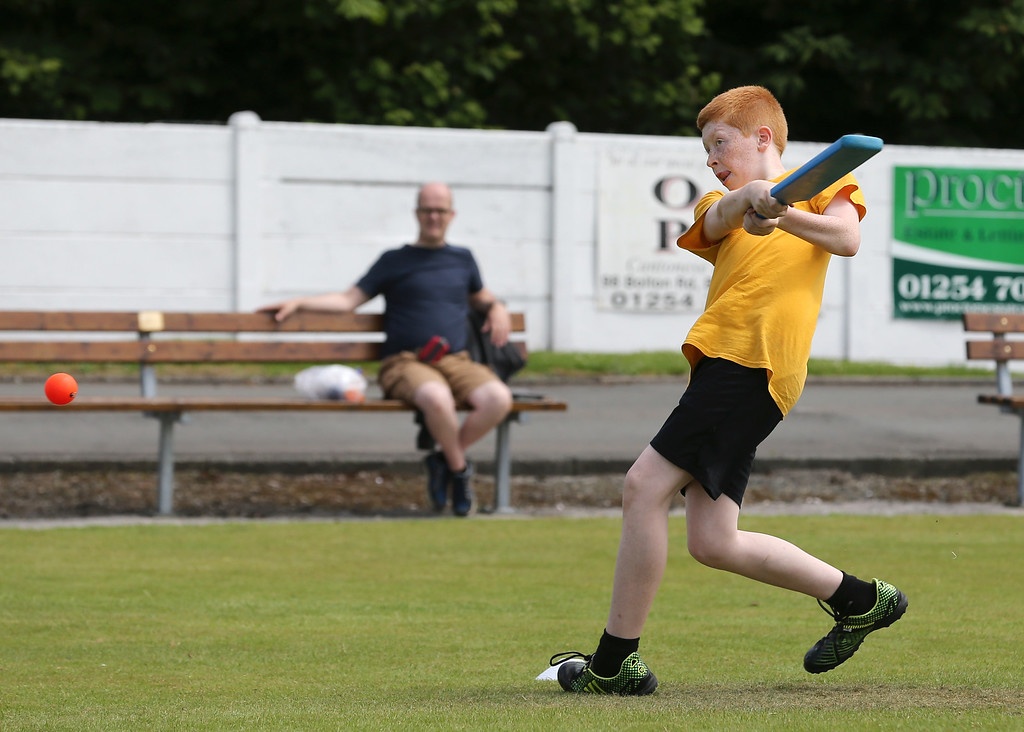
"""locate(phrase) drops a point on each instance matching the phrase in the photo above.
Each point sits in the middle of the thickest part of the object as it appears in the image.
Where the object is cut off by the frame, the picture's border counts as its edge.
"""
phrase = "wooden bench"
(152, 338)
(1002, 349)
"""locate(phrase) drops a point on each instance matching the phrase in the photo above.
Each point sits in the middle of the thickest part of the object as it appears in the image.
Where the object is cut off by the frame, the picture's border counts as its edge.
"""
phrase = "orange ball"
(61, 388)
(356, 396)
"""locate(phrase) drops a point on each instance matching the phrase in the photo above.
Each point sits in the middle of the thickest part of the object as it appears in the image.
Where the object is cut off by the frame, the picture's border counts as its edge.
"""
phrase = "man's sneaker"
(462, 491)
(438, 475)
(850, 630)
(574, 674)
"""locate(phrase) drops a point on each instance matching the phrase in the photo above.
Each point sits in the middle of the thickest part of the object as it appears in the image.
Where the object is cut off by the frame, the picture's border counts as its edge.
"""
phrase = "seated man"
(428, 288)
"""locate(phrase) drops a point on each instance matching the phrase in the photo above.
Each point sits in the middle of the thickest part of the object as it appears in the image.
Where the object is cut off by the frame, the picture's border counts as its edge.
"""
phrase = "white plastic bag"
(335, 382)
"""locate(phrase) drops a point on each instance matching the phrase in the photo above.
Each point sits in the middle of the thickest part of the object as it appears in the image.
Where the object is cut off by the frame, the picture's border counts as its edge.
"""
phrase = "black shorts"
(713, 433)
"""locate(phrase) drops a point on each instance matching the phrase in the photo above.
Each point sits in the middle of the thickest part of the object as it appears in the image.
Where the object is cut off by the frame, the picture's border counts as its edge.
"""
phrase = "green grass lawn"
(443, 624)
(541, 364)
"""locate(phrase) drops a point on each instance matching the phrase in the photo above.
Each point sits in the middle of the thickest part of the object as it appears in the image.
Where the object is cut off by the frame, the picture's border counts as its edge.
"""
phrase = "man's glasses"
(434, 211)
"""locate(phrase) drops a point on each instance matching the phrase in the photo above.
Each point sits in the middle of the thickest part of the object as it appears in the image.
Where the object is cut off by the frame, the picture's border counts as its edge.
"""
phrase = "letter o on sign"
(676, 192)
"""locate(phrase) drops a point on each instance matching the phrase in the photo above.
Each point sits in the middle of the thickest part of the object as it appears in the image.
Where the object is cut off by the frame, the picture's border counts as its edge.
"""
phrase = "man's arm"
(332, 302)
(498, 322)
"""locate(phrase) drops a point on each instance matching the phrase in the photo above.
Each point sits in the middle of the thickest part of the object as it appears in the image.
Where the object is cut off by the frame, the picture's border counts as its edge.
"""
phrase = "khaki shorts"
(402, 374)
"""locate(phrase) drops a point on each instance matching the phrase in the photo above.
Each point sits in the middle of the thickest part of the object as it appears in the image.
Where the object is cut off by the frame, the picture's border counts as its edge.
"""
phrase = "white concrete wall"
(184, 217)
(96, 216)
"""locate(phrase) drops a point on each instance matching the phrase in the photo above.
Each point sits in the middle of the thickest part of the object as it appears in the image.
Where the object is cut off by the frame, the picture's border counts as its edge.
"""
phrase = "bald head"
(434, 213)
(434, 191)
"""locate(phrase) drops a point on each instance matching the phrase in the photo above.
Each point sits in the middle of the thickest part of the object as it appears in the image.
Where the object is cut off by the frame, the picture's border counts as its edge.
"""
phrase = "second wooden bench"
(1002, 349)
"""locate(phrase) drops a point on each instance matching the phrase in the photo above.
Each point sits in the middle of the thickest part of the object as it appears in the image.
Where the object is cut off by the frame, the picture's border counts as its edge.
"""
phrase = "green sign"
(958, 241)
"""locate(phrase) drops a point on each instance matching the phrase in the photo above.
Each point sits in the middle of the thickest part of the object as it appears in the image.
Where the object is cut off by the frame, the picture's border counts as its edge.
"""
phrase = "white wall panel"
(97, 216)
(35, 148)
(386, 155)
(85, 206)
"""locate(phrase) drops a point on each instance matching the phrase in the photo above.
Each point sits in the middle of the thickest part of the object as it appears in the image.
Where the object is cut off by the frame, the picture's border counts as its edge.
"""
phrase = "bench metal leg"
(503, 467)
(1020, 464)
(165, 481)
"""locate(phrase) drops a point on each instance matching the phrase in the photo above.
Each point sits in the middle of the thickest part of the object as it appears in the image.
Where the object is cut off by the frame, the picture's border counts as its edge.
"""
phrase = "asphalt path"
(909, 426)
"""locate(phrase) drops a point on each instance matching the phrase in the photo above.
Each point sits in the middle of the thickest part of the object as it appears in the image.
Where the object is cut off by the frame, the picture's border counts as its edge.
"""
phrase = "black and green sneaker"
(850, 630)
(574, 674)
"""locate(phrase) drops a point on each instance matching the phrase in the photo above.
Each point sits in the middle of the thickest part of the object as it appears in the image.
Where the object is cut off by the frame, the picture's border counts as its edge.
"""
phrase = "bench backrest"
(999, 348)
(210, 337)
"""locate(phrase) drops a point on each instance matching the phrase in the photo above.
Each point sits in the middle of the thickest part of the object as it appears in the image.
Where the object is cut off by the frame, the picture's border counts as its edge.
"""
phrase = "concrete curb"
(893, 467)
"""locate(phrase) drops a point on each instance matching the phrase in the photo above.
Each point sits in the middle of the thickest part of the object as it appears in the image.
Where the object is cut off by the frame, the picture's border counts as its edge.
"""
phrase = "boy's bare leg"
(714, 539)
(651, 484)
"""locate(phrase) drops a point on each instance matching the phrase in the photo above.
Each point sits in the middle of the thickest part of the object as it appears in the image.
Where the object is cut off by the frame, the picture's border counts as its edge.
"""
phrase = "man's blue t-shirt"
(426, 293)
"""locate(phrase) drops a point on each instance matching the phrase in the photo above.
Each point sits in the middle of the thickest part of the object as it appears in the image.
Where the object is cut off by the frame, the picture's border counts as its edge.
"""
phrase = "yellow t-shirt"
(765, 295)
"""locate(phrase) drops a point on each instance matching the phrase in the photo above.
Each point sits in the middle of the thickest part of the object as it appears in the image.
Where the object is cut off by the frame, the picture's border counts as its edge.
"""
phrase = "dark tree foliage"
(628, 67)
(623, 65)
(910, 71)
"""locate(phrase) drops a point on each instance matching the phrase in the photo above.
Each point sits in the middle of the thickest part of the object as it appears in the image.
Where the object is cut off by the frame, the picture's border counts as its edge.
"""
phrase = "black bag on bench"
(505, 361)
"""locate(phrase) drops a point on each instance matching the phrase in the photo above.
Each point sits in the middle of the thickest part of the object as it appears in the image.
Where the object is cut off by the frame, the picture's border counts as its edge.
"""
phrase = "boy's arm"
(750, 207)
(836, 229)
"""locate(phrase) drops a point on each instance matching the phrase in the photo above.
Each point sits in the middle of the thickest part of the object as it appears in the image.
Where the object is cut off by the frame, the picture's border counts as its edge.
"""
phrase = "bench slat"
(264, 323)
(187, 351)
(150, 321)
(993, 322)
(213, 404)
(153, 321)
(68, 320)
(1016, 402)
(997, 349)
(302, 322)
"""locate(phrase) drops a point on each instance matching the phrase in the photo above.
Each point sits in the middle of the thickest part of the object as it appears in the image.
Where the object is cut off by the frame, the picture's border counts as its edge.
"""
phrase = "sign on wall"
(958, 241)
(645, 201)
